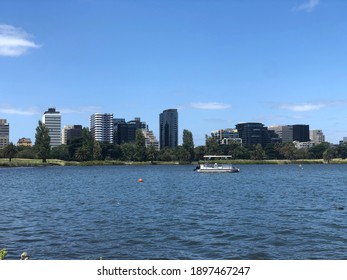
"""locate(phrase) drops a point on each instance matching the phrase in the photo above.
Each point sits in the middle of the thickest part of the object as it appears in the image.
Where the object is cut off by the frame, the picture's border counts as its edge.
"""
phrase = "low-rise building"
(26, 142)
(226, 136)
(303, 145)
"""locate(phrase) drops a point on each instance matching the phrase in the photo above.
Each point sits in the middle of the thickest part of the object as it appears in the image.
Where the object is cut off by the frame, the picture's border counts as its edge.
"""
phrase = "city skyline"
(218, 62)
(97, 122)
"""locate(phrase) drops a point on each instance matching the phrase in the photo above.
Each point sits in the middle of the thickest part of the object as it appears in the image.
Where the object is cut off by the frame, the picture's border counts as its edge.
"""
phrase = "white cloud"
(308, 6)
(9, 110)
(302, 107)
(88, 109)
(14, 41)
(16, 111)
(210, 105)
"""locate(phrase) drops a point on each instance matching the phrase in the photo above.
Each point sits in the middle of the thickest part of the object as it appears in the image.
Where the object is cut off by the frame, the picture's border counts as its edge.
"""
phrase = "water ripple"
(264, 212)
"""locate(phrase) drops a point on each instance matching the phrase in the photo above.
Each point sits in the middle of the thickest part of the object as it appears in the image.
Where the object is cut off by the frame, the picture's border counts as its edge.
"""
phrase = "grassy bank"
(19, 162)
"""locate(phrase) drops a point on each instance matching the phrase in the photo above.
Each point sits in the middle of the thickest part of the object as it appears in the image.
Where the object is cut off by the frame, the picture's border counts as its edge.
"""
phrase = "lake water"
(263, 212)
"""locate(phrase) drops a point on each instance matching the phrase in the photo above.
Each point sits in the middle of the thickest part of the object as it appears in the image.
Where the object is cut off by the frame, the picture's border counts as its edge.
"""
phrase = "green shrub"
(3, 254)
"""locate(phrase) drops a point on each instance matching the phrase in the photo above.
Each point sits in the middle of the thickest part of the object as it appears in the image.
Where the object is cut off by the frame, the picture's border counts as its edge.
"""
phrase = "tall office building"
(285, 132)
(101, 127)
(70, 133)
(253, 133)
(168, 128)
(301, 132)
(52, 120)
(120, 131)
(317, 136)
(4, 133)
(125, 132)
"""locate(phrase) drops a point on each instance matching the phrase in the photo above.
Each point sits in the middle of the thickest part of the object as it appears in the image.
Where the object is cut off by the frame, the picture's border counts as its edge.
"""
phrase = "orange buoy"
(140, 180)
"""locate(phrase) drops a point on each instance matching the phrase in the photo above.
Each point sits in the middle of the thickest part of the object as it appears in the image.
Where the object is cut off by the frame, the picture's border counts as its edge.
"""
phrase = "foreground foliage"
(3, 254)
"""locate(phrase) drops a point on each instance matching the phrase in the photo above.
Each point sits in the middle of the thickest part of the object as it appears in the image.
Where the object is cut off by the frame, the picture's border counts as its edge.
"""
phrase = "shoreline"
(18, 162)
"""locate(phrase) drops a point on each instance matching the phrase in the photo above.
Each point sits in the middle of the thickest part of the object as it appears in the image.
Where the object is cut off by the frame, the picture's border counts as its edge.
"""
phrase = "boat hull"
(235, 170)
(216, 168)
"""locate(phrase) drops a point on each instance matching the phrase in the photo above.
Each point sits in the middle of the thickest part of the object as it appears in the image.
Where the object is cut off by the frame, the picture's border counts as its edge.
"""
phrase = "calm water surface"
(263, 212)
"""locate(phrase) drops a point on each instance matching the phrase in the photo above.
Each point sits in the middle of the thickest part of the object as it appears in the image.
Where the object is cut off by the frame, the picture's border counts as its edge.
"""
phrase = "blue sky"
(220, 62)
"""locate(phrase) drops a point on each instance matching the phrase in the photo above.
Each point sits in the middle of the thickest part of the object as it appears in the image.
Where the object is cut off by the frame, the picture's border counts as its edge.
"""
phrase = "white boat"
(214, 167)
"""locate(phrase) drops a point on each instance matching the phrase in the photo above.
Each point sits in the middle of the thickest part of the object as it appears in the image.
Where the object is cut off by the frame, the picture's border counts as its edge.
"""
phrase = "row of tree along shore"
(86, 151)
(19, 162)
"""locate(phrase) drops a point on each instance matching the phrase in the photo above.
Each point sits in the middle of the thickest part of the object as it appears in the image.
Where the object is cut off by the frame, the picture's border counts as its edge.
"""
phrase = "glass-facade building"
(301, 132)
(168, 128)
(71, 132)
(253, 133)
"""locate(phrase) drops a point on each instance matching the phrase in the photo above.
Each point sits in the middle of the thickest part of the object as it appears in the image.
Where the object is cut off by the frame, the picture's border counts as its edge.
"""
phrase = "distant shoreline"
(17, 162)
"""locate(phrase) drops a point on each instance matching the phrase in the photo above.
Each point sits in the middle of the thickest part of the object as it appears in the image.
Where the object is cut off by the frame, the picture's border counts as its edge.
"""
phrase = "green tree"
(152, 153)
(73, 146)
(42, 141)
(26, 152)
(88, 143)
(108, 151)
(212, 146)
(97, 151)
(182, 154)
(60, 152)
(241, 153)
(188, 143)
(287, 151)
(82, 149)
(318, 150)
(271, 151)
(258, 153)
(199, 152)
(82, 154)
(342, 151)
(167, 154)
(140, 146)
(329, 154)
(10, 151)
(128, 151)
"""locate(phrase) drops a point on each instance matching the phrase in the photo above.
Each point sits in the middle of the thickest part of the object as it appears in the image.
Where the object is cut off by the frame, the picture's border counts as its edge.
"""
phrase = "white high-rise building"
(317, 136)
(101, 127)
(52, 120)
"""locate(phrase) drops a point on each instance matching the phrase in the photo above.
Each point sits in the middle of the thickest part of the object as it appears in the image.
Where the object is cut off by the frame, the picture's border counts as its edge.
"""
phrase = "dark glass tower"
(168, 128)
(301, 132)
(253, 133)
